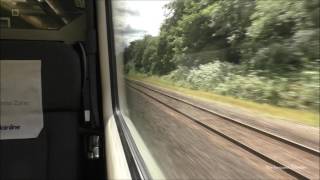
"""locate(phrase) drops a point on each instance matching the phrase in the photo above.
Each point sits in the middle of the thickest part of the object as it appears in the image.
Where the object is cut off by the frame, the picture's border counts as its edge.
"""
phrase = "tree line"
(270, 35)
(268, 38)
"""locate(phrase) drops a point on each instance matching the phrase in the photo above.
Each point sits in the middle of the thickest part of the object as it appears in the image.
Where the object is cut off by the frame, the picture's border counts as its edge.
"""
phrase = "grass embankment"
(297, 116)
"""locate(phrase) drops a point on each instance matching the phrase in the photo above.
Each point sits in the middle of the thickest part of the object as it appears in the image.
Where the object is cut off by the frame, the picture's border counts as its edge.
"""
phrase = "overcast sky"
(135, 18)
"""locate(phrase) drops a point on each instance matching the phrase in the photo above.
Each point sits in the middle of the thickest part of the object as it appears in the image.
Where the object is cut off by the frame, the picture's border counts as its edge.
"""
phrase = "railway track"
(298, 160)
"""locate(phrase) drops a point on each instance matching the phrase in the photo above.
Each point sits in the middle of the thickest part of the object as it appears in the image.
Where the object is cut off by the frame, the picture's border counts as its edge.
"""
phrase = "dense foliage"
(262, 50)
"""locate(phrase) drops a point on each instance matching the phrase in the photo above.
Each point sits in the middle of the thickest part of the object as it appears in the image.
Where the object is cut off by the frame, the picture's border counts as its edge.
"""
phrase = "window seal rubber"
(136, 164)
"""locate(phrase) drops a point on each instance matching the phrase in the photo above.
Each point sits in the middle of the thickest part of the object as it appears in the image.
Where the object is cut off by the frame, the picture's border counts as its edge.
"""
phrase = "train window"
(215, 89)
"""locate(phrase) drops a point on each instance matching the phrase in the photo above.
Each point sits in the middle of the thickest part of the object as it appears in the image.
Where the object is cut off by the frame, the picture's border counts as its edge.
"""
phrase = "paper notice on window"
(21, 115)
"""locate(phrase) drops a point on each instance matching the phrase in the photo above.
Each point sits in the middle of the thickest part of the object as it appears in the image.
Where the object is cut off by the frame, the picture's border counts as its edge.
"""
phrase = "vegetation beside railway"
(246, 52)
(287, 114)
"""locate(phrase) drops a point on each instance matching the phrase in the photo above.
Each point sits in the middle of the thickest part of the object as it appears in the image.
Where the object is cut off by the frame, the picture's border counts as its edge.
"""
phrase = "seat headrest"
(21, 115)
(60, 71)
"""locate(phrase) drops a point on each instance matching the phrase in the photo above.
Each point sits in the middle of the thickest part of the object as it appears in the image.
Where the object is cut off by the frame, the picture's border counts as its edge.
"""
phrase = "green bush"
(263, 50)
(301, 92)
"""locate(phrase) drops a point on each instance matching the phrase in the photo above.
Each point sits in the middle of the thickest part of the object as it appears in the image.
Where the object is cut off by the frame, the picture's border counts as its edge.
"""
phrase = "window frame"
(136, 164)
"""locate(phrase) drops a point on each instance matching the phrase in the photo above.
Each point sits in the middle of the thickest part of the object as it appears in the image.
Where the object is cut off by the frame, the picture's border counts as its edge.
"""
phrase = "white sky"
(135, 18)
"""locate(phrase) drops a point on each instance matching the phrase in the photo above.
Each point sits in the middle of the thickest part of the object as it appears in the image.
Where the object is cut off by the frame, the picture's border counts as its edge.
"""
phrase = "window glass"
(216, 89)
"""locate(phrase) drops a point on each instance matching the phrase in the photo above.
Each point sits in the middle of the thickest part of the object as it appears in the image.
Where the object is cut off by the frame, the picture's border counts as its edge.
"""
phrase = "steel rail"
(232, 140)
(225, 117)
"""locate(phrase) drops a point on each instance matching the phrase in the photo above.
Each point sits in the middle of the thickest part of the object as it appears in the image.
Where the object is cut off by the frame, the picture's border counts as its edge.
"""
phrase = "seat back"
(54, 153)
